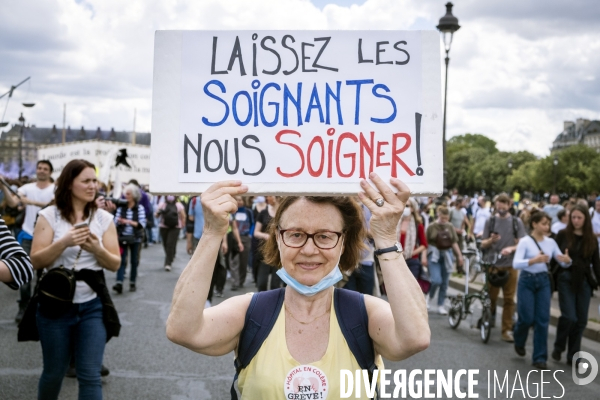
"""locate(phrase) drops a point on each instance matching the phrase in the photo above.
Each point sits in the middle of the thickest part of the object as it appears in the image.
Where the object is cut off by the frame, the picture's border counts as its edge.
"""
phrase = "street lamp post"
(22, 121)
(447, 26)
(509, 165)
(554, 164)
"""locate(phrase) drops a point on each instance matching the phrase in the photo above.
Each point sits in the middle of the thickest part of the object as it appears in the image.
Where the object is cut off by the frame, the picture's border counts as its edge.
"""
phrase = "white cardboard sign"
(95, 151)
(307, 112)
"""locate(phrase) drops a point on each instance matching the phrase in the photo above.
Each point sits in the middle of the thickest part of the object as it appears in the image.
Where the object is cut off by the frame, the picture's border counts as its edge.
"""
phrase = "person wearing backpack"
(442, 241)
(172, 220)
(307, 331)
(500, 236)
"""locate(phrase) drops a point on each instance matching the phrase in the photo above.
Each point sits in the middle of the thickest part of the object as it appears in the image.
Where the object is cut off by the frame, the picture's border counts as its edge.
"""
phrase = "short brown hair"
(443, 210)
(354, 229)
(503, 198)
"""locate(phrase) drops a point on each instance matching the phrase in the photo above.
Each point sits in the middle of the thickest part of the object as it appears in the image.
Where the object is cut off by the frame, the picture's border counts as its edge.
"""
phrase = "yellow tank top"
(274, 374)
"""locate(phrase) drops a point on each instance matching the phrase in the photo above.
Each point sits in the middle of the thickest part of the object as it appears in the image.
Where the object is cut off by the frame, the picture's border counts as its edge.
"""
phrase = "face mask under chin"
(333, 277)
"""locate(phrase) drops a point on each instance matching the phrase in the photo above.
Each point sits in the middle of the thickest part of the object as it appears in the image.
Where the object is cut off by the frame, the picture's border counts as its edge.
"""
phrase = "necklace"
(311, 321)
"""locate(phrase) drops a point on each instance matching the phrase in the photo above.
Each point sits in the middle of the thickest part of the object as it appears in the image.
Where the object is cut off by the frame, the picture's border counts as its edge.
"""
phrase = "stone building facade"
(34, 137)
(582, 131)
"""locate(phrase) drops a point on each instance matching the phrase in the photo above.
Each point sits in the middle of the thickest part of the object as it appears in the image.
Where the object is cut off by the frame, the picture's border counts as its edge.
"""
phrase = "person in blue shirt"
(534, 288)
(197, 217)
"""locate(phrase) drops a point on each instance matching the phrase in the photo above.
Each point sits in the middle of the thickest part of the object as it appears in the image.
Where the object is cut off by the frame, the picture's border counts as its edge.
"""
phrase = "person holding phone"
(534, 289)
(73, 233)
(501, 234)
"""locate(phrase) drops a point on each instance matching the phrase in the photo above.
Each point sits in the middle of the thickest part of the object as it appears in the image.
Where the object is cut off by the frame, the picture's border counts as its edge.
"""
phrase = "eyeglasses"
(324, 240)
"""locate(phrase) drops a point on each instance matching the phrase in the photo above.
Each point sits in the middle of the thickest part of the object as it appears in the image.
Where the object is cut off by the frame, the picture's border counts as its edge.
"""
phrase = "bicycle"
(462, 305)
(474, 255)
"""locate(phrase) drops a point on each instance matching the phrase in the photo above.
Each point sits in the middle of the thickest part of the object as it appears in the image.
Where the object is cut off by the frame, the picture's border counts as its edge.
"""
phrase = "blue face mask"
(328, 281)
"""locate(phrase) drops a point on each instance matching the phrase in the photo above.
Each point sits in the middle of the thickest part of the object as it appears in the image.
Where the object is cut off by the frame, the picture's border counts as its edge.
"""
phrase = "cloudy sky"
(518, 67)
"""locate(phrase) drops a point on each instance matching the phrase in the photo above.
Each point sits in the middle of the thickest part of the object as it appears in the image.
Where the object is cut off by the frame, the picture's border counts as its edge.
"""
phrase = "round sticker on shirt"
(305, 382)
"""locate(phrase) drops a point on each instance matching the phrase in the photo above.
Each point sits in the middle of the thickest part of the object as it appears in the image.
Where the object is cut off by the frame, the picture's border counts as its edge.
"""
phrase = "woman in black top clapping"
(575, 284)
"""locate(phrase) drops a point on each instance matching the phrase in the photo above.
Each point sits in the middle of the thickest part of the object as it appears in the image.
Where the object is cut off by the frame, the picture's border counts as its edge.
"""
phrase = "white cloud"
(516, 70)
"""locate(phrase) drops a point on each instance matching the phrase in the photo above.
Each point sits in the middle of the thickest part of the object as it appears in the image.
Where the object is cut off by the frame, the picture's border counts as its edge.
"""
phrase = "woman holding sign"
(295, 343)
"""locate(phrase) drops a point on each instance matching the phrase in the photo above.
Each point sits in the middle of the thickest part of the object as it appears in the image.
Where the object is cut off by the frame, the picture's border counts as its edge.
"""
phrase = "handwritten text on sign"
(301, 106)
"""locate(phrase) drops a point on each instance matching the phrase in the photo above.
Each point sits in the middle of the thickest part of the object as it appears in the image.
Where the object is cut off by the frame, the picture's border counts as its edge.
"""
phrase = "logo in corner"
(586, 364)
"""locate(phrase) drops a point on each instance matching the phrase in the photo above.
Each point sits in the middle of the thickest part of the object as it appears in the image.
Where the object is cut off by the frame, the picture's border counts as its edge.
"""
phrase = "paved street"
(145, 365)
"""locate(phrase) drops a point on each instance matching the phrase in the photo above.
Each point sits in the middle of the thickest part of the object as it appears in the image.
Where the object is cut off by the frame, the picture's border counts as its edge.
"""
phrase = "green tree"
(525, 176)
(474, 163)
(473, 140)
(576, 171)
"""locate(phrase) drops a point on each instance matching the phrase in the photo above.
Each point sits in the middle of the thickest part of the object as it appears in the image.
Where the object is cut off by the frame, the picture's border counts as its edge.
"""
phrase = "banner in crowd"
(296, 111)
(96, 152)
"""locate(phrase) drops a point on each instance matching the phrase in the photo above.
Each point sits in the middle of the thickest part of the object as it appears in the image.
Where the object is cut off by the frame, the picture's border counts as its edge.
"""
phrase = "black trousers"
(25, 289)
(262, 279)
(169, 238)
(218, 280)
(573, 314)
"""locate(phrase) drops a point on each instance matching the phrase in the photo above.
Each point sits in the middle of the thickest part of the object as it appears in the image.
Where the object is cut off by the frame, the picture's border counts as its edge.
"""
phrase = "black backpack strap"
(515, 225)
(261, 316)
(355, 327)
(492, 224)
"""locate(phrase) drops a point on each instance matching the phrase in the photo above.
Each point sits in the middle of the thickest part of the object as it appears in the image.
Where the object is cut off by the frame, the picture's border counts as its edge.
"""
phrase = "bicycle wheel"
(485, 326)
(455, 313)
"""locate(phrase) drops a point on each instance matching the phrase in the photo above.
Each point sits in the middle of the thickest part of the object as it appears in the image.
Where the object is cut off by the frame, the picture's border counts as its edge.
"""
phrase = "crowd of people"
(77, 224)
(535, 249)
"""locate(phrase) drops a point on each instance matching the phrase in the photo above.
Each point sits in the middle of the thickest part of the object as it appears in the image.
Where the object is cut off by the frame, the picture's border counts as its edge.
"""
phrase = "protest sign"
(296, 111)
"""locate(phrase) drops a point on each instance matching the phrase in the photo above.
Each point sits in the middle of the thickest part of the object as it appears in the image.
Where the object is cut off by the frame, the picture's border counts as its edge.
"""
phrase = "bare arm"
(215, 330)
(108, 254)
(25, 200)
(258, 234)
(5, 275)
(236, 235)
(458, 253)
(44, 252)
(399, 328)
(467, 224)
(11, 199)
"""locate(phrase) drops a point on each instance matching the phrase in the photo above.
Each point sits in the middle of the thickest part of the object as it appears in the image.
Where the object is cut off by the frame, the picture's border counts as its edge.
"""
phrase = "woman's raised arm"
(399, 328)
(215, 330)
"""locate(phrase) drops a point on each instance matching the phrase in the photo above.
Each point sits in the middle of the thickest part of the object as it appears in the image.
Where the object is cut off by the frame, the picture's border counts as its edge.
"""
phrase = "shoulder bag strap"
(355, 327)
(538, 246)
(261, 316)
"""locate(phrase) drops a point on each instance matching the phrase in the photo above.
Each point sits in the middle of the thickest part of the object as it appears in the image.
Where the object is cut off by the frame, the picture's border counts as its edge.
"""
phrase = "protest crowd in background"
(433, 231)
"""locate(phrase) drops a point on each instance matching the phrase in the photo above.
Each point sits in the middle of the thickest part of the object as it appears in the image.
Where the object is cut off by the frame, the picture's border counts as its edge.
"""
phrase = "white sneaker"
(167, 268)
(427, 301)
(442, 311)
